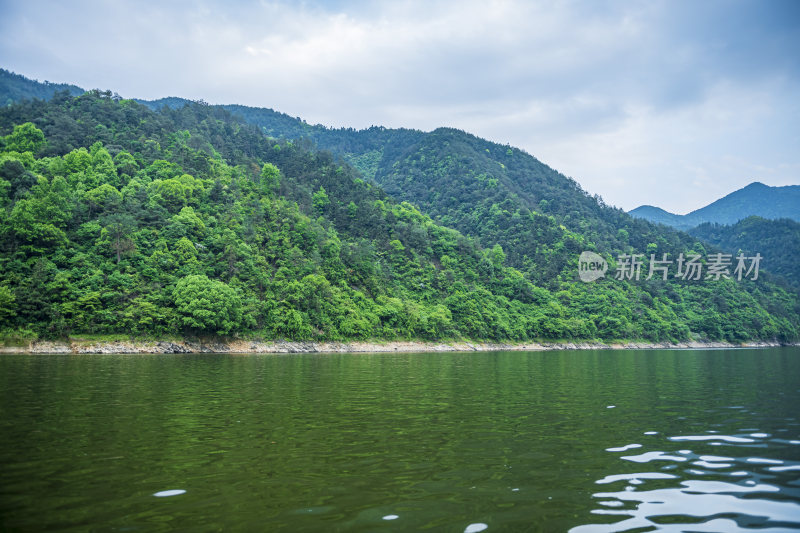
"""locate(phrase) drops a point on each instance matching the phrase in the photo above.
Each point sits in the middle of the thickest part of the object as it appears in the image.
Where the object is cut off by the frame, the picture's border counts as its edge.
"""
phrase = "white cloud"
(669, 103)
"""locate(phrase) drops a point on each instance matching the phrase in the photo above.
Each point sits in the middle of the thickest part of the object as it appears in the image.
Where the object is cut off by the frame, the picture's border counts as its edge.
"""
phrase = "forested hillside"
(499, 195)
(119, 219)
(495, 193)
(14, 88)
(778, 241)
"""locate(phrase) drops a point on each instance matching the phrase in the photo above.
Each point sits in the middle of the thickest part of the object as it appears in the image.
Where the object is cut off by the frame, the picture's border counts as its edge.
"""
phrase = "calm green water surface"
(587, 441)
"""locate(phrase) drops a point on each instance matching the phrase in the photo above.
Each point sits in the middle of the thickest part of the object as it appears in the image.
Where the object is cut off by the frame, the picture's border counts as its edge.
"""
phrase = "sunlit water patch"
(691, 490)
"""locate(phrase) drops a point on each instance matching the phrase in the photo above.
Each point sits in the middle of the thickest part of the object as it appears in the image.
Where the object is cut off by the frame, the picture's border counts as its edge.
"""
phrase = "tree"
(324, 254)
(78, 161)
(270, 179)
(186, 224)
(352, 210)
(40, 217)
(7, 307)
(13, 172)
(126, 163)
(497, 256)
(207, 306)
(320, 200)
(25, 138)
(103, 165)
(170, 193)
(117, 231)
(438, 321)
(103, 198)
(5, 188)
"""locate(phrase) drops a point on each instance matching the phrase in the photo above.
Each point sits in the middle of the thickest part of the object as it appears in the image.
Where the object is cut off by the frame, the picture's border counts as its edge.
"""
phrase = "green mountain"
(14, 88)
(187, 220)
(659, 216)
(428, 169)
(755, 199)
(778, 241)
(495, 193)
(151, 227)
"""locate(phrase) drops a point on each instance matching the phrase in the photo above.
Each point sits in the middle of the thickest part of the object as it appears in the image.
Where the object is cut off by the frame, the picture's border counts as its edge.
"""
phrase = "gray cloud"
(671, 103)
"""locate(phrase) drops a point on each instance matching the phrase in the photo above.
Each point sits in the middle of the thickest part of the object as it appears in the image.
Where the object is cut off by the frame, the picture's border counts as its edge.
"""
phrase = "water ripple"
(737, 492)
(653, 456)
(725, 438)
(624, 448)
(628, 477)
(696, 500)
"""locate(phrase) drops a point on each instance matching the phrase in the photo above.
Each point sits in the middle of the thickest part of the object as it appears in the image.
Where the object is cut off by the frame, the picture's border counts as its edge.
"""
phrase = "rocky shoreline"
(241, 346)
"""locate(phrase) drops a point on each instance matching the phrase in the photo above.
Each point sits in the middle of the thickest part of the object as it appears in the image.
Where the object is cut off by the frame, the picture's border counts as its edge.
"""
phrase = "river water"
(581, 441)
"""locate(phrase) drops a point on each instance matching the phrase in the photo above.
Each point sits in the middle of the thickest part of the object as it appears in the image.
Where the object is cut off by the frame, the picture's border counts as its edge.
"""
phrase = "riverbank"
(79, 346)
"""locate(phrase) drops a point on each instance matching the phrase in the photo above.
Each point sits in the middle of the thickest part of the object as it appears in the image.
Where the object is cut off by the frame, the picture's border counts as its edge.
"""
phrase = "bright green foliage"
(207, 306)
(6, 304)
(77, 164)
(103, 198)
(320, 200)
(125, 163)
(25, 138)
(187, 223)
(497, 256)
(270, 179)
(5, 189)
(39, 218)
(170, 194)
(103, 166)
(180, 222)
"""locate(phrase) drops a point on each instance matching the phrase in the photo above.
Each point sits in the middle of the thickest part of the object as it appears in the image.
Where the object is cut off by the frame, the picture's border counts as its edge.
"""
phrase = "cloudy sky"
(673, 103)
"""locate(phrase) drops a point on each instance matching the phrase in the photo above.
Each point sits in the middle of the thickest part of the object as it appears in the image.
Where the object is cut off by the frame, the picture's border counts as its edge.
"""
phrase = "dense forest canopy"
(115, 218)
(502, 195)
(778, 240)
(495, 193)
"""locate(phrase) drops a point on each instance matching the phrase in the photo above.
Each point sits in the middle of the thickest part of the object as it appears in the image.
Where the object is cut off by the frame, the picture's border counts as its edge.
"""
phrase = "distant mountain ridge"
(15, 87)
(755, 199)
(778, 241)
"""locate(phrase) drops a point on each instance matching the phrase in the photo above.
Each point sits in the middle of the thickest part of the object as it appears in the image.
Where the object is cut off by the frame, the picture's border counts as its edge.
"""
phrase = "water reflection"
(506, 441)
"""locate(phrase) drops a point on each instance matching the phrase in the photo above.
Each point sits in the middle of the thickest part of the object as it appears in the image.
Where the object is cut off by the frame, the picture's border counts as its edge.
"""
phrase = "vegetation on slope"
(15, 88)
(115, 218)
(778, 241)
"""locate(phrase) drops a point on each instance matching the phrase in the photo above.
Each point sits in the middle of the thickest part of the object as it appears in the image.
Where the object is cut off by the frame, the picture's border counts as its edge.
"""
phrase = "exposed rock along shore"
(241, 346)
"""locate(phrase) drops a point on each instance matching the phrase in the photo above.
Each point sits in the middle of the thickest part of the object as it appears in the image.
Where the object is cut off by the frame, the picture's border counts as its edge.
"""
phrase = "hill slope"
(755, 199)
(118, 218)
(496, 193)
(181, 222)
(14, 88)
(778, 241)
